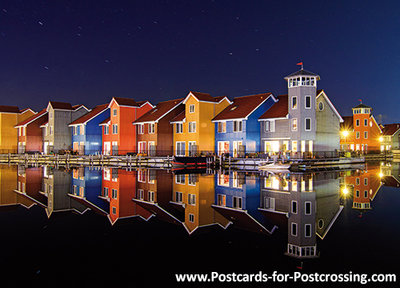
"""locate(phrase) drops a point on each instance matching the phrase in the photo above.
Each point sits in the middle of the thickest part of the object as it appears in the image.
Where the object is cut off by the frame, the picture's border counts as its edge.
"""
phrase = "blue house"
(237, 198)
(86, 189)
(237, 129)
(86, 132)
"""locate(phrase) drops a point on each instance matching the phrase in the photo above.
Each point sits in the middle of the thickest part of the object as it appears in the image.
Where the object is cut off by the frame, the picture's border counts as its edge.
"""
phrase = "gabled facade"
(304, 122)
(194, 132)
(237, 129)
(86, 132)
(30, 137)
(56, 133)
(119, 135)
(364, 134)
(9, 117)
(154, 131)
(390, 137)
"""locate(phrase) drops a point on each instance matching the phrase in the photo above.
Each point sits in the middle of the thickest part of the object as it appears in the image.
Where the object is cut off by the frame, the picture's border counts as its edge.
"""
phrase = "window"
(192, 127)
(294, 207)
(357, 193)
(365, 122)
(114, 112)
(140, 128)
(237, 202)
(294, 146)
(237, 126)
(179, 128)
(357, 181)
(106, 130)
(294, 102)
(307, 124)
(365, 194)
(308, 102)
(191, 217)
(82, 129)
(105, 192)
(307, 230)
(180, 179)
(321, 106)
(180, 148)
(191, 108)
(151, 127)
(221, 127)
(357, 135)
(294, 124)
(365, 181)
(115, 129)
(270, 126)
(358, 122)
(192, 199)
(294, 229)
(178, 197)
(307, 208)
(365, 134)
(114, 193)
(151, 196)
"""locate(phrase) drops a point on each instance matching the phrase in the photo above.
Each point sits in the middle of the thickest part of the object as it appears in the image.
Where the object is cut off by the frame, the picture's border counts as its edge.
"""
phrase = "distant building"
(30, 136)
(86, 132)
(56, 133)
(360, 132)
(10, 116)
(390, 137)
(303, 122)
(237, 129)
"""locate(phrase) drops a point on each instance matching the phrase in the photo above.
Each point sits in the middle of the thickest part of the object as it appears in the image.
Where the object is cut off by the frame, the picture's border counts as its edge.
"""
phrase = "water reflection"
(303, 206)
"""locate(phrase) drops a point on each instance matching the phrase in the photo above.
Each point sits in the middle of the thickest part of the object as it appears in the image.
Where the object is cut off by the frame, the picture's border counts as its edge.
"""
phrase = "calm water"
(110, 227)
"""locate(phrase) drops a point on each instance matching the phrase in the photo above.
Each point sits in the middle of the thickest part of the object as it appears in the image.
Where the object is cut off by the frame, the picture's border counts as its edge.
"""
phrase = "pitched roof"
(126, 101)
(159, 111)
(390, 129)
(105, 122)
(88, 116)
(347, 123)
(242, 107)
(9, 109)
(41, 113)
(179, 118)
(361, 106)
(205, 97)
(302, 72)
(61, 105)
(278, 110)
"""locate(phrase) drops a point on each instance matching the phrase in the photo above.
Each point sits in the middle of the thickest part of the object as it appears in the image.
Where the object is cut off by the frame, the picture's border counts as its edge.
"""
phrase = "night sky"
(89, 51)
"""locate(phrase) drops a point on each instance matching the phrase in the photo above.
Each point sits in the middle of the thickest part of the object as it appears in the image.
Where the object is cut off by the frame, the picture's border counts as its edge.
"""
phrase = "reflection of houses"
(364, 185)
(8, 184)
(154, 131)
(56, 187)
(30, 184)
(307, 204)
(86, 189)
(195, 194)
(237, 198)
(119, 189)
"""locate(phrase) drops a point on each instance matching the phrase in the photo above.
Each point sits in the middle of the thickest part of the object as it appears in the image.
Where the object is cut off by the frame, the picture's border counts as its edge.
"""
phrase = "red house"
(119, 135)
(30, 137)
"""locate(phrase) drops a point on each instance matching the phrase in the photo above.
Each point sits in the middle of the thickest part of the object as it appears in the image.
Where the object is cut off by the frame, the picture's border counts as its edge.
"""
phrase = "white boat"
(275, 167)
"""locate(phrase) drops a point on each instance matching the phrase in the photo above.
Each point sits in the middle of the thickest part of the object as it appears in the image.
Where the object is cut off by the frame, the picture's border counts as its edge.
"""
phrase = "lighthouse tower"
(302, 92)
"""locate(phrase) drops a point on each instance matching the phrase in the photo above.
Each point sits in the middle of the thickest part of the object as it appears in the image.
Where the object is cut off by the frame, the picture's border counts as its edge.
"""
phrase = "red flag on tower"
(300, 64)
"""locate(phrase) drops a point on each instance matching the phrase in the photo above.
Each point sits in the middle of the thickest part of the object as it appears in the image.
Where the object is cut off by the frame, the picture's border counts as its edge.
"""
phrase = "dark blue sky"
(88, 51)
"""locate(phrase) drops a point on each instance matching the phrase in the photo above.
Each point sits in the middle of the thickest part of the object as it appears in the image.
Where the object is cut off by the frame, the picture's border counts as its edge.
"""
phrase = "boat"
(186, 161)
(276, 167)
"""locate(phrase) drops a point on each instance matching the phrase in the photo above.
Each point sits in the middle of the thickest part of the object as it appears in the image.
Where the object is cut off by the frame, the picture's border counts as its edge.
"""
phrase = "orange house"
(360, 132)
(119, 135)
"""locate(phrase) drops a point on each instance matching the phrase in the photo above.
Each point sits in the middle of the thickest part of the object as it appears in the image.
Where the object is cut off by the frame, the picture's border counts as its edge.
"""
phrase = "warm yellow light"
(345, 133)
(380, 139)
(380, 174)
(345, 191)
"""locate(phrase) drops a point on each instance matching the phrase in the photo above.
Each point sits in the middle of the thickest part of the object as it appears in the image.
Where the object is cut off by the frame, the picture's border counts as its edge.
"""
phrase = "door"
(151, 148)
(236, 148)
(192, 148)
(107, 148)
(46, 147)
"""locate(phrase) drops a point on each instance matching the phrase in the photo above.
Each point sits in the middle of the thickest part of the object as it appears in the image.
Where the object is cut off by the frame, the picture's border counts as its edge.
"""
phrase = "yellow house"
(194, 133)
(9, 117)
(196, 193)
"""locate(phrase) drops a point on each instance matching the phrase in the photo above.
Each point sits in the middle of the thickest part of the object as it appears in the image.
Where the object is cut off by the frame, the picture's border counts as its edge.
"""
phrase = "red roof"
(97, 110)
(61, 105)
(9, 109)
(390, 129)
(126, 101)
(279, 110)
(32, 118)
(242, 106)
(179, 118)
(105, 122)
(347, 123)
(206, 97)
(159, 111)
